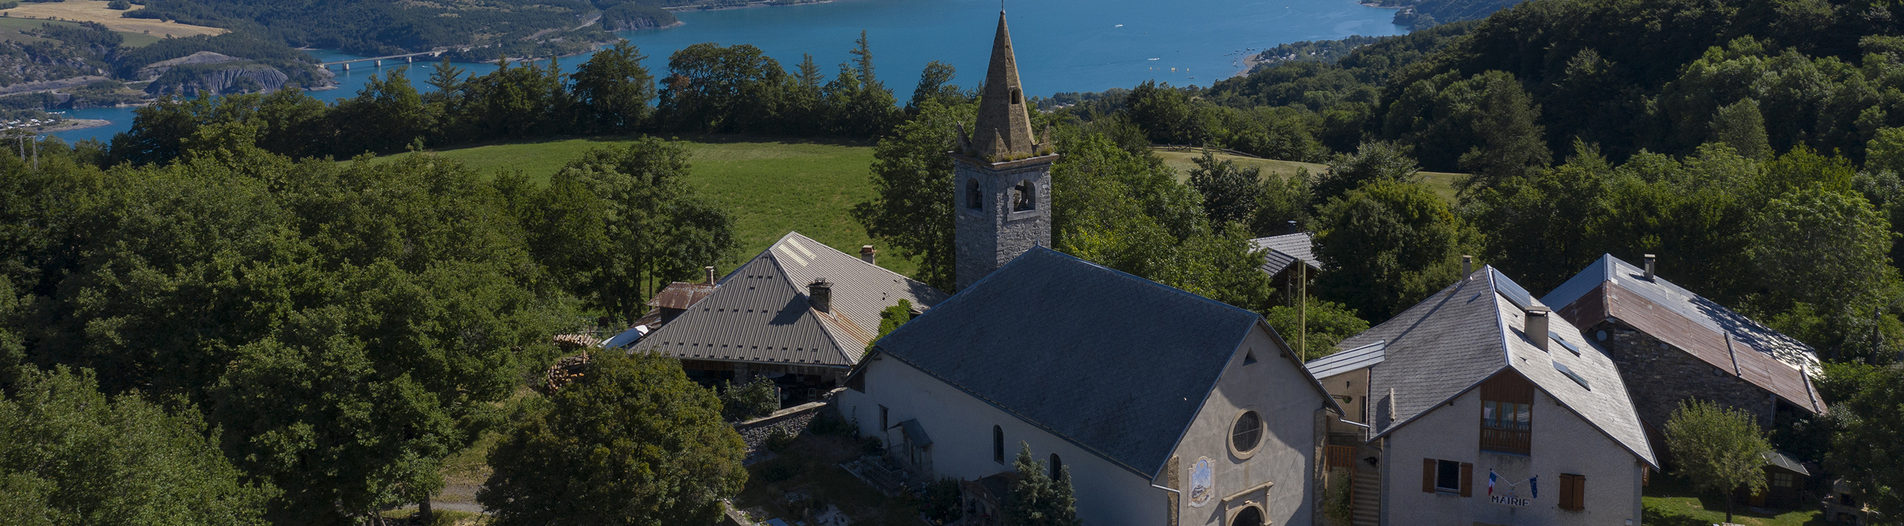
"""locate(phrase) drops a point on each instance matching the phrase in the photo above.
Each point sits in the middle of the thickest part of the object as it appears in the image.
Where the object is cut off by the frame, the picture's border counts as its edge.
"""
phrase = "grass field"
(1442, 182)
(1670, 502)
(96, 11)
(768, 187)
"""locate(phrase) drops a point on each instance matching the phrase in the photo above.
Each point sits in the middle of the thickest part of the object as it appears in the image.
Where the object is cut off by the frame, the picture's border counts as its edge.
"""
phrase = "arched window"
(973, 199)
(1024, 196)
(1250, 516)
(1017, 97)
(998, 445)
(1057, 467)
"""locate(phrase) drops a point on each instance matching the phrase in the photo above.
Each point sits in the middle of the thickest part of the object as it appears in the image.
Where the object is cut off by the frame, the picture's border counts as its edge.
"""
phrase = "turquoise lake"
(1062, 45)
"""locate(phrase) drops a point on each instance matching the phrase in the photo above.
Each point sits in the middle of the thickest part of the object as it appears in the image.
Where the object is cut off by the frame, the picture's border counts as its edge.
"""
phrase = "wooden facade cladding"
(1507, 402)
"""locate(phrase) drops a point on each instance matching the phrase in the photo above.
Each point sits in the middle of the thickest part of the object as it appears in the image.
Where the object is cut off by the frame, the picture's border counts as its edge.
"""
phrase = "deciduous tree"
(1717, 449)
(632, 442)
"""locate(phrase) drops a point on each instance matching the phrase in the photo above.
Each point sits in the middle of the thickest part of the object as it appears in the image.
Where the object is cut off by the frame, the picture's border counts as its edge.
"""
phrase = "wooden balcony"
(1516, 441)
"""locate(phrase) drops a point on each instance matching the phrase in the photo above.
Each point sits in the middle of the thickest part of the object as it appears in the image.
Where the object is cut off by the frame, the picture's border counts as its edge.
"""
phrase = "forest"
(317, 337)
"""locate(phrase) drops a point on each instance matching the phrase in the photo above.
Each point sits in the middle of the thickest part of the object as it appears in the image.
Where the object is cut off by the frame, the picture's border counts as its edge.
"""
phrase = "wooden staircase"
(1367, 494)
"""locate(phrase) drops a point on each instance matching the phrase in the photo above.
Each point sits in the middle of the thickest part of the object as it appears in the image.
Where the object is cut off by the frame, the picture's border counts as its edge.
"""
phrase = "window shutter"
(1428, 475)
(1467, 479)
(1573, 492)
(1579, 492)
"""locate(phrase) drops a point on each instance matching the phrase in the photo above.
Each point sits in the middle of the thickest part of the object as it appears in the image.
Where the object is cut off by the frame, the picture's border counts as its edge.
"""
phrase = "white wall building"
(1165, 407)
(1485, 412)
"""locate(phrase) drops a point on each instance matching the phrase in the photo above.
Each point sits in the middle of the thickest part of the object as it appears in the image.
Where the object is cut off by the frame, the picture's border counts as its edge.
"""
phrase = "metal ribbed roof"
(760, 313)
(1611, 288)
(1348, 360)
(1281, 251)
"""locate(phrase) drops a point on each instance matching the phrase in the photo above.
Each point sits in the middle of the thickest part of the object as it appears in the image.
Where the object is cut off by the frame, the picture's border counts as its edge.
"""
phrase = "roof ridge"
(850, 256)
(818, 317)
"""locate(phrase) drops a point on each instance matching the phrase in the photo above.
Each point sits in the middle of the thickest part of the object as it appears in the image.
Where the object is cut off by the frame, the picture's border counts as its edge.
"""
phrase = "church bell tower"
(1001, 175)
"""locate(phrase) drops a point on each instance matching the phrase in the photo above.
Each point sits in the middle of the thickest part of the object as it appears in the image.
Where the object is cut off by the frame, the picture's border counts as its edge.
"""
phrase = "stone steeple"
(1004, 126)
(1001, 175)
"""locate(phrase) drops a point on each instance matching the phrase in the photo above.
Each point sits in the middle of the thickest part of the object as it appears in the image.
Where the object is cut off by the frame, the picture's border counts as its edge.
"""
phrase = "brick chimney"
(1537, 326)
(1649, 266)
(866, 253)
(820, 295)
(710, 273)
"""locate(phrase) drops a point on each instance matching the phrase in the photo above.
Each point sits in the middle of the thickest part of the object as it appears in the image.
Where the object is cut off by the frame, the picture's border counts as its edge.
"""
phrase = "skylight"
(1570, 374)
(1511, 290)
(1569, 345)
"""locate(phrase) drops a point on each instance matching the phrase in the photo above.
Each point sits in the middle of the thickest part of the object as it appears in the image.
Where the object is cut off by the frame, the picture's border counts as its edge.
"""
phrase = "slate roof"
(1114, 363)
(760, 312)
(1611, 288)
(1281, 251)
(1449, 343)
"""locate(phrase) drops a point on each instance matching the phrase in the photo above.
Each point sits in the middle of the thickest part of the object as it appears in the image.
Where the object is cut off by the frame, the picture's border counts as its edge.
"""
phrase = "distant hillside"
(372, 27)
(1423, 14)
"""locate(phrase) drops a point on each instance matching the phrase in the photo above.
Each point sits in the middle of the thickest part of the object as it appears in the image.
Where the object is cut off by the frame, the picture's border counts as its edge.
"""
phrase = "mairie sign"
(1509, 500)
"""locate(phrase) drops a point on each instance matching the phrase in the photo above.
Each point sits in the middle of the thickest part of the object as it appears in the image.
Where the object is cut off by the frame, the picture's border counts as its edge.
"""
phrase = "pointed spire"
(1004, 126)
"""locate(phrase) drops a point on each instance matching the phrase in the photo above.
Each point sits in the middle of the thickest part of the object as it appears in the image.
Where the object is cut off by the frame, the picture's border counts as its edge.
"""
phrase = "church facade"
(1157, 406)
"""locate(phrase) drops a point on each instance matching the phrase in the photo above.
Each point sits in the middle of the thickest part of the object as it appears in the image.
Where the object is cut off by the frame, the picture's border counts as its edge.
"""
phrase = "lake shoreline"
(748, 5)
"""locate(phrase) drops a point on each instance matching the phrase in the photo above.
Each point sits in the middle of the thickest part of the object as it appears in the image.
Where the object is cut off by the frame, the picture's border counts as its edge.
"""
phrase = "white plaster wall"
(961, 431)
(1353, 384)
(1276, 388)
(1562, 443)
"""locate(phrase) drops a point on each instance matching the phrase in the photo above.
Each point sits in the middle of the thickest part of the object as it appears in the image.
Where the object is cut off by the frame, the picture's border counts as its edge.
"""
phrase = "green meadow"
(768, 187)
(1443, 183)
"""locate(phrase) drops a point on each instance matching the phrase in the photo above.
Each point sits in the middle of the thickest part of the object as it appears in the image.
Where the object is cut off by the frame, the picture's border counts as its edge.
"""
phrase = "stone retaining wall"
(792, 421)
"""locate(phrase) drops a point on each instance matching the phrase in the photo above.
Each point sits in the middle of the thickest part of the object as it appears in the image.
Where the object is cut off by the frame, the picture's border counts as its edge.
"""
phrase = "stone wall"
(1658, 376)
(994, 234)
(792, 421)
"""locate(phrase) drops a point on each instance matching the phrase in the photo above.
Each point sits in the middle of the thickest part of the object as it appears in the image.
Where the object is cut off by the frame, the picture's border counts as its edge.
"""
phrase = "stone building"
(1001, 175)
(799, 312)
(1165, 407)
(1480, 411)
(1672, 344)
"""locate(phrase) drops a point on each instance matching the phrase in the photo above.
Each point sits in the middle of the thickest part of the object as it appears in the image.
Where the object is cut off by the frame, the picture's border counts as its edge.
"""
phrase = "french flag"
(1490, 482)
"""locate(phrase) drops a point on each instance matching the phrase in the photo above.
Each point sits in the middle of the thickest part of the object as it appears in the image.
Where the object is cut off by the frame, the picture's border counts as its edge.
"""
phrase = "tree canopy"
(631, 442)
(1717, 449)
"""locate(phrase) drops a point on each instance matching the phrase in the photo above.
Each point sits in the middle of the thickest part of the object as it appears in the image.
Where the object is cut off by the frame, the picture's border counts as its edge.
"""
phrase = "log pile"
(566, 370)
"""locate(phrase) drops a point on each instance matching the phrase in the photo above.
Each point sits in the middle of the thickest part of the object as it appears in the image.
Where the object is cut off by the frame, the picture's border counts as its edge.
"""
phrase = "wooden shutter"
(1573, 492)
(1428, 475)
(1467, 479)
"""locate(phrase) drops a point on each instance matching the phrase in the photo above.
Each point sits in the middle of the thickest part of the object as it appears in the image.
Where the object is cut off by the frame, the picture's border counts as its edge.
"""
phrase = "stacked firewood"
(566, 370)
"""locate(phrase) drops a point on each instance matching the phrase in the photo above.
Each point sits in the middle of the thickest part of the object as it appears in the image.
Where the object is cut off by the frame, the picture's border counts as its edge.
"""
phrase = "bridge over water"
(378, 61)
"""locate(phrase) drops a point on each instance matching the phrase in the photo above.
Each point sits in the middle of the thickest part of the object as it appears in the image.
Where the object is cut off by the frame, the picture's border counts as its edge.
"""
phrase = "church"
(1156, 405)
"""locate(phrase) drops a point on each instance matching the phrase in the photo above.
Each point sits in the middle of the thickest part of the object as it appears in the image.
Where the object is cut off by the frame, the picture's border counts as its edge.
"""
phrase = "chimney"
(1537, 326)
(866, 253)
(820, 295)
(1467, 265)
(710, 273)
(1649, 266)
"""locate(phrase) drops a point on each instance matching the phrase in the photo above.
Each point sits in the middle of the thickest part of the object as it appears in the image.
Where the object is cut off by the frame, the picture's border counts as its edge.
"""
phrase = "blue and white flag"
(1533, 486)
